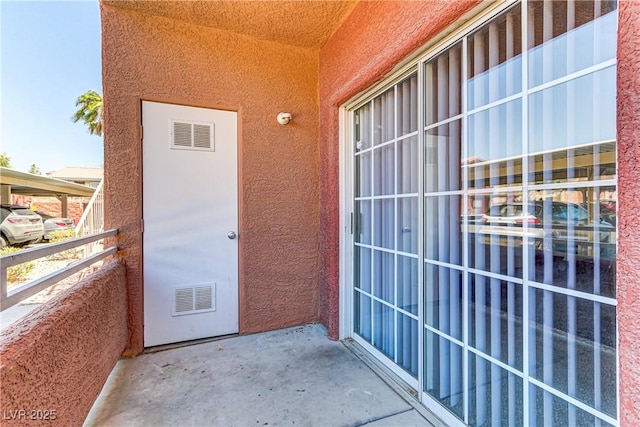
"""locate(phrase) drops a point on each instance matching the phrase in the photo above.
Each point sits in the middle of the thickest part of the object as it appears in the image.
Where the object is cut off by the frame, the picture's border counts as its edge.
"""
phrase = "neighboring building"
(90, 177)
(79, 175)
(457, 189)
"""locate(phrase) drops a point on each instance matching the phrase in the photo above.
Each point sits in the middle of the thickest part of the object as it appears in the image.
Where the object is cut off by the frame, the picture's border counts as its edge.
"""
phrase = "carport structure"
(27, 184)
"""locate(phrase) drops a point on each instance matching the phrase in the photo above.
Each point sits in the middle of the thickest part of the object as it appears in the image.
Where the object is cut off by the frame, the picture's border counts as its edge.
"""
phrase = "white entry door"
(190, 211)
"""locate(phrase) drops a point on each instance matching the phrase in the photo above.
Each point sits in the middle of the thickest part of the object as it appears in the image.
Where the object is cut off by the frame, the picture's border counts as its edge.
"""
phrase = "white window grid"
(466, 192)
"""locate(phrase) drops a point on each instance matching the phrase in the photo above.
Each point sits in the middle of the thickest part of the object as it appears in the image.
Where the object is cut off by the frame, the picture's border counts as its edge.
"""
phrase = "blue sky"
(50, 55)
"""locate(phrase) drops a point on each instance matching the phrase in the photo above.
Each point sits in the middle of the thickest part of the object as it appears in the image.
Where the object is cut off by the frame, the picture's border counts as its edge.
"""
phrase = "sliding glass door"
(484, 207)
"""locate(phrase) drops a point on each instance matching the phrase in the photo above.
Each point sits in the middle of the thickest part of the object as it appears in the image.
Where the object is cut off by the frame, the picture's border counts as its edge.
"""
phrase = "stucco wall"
(371, 41)
(628, 280)
(160, 59)
(56, 359)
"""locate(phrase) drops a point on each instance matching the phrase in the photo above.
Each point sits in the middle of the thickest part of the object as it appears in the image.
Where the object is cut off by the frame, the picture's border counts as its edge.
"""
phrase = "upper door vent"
(192, 136)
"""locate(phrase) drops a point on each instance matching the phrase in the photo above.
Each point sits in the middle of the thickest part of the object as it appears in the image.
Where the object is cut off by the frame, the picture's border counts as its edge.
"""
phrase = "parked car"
(570, 228)
(19, 226)
(53, 224)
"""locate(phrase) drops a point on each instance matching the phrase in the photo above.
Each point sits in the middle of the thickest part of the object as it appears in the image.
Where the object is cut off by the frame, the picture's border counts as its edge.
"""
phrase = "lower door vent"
(194, 299)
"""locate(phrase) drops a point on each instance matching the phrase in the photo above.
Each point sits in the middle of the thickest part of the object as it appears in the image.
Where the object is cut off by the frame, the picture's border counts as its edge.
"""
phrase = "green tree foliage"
(35, 169)
(89, 111)
(5, 160)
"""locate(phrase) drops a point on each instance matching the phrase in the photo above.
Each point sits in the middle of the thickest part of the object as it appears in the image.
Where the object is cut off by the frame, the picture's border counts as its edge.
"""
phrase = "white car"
(53, 224)
(19, 226)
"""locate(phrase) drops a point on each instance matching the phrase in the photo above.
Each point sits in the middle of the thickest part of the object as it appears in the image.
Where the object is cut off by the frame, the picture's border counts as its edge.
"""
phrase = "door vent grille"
(192, 136)
(194, 299)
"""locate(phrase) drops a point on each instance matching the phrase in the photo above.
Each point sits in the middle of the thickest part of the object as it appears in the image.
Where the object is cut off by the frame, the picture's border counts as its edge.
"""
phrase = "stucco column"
(5, 194)
(628, 208)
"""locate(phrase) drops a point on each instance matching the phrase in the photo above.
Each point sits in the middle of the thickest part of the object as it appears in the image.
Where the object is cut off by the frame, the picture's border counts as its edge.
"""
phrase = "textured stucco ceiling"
(307, 23)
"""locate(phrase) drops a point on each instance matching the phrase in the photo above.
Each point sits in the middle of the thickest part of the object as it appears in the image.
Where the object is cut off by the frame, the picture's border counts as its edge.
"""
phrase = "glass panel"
(443, 372)
(362, 315)
(443, 299)
(408, 344)
(442, 157)
(495, 137)
(495, 318)
(383, 170)
(495, 395)
(407, 298)
(408, 105)
(383, 329)
(576, 113)
(497, 237)
(383, 274)
(362, 220)
(362, 127)
(569, 36)
(574, 347)
(495, 60)
(383, 222)
(383, 117)
(443, 78)
(408, 167)
(442, 229)
(408, 224)
(363, 174)
(362, 270)
(547, 409)
(576, 245)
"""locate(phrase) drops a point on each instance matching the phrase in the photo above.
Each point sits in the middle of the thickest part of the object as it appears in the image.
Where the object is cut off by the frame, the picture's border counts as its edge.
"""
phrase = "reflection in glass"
(442, 157)
(496, 133)
(495, 320)
(443, 372)
(497, 237)
(443, 75)
(443, 299)
(575, 347)
(579, 112)
(576, 246)
(569, 36)
(495, 60)
(442, 229)
(546, 409)
(495, 395)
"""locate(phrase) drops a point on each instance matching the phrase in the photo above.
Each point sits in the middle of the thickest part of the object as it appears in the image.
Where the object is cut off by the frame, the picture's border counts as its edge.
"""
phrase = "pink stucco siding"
(56, 360)
(628, 279)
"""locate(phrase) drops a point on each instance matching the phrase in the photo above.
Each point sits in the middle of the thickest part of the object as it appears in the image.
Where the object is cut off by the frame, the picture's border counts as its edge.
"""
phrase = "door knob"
(231, 235)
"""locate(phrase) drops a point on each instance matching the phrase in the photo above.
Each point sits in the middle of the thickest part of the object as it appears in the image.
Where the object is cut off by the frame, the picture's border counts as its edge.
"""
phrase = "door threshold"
(163, 347)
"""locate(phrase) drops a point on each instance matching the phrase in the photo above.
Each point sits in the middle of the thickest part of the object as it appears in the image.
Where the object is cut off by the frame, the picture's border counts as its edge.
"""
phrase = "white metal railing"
(92, 219)
(9, 299)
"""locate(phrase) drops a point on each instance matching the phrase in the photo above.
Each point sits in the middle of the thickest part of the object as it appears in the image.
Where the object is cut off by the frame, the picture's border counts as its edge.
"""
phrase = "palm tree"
(5, 161)
(90, 111)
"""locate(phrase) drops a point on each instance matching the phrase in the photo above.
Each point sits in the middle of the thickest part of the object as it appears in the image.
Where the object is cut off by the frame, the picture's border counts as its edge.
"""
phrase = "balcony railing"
(9, 299)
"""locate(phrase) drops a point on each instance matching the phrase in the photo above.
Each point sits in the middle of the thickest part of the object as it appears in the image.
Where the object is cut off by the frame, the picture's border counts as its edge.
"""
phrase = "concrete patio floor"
(294, 377)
